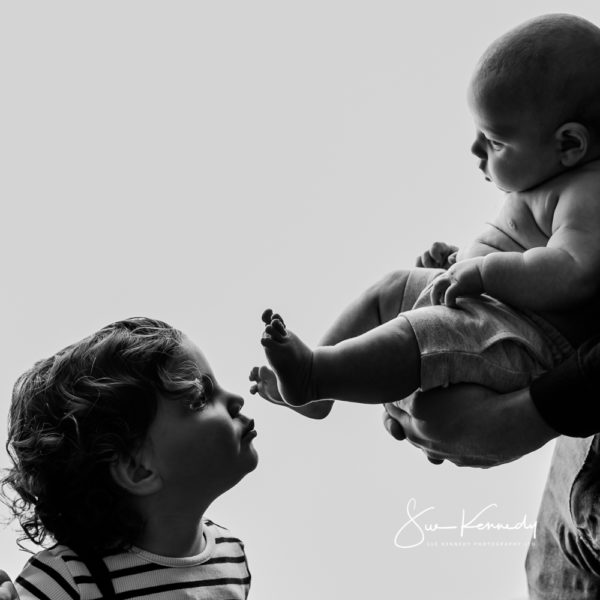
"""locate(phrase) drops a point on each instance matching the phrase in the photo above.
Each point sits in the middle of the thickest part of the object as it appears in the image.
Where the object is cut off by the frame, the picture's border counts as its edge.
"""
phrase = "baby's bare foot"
(290, 358)
(265, 385)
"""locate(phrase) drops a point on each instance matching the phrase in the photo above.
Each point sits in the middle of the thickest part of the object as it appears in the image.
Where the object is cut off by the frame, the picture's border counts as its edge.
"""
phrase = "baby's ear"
(573, 141)
(136, 473)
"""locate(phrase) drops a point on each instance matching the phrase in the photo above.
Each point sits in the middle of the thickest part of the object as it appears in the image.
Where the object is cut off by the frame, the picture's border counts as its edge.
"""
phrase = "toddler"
(120, 443)
(511, 304)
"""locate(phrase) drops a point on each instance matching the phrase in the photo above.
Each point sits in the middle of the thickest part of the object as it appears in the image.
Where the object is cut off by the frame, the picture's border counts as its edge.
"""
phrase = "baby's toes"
(275, 330)
(279, 326)
(254, 374)
(267, 316)
(277, 317)
(268, 342)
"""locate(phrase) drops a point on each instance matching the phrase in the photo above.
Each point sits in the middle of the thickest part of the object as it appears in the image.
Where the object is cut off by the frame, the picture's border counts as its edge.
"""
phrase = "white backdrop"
(201, 161)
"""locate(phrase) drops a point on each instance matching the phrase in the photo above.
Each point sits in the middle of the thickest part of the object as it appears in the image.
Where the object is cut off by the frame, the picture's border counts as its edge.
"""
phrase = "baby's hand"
(461, 279)
(439, 256)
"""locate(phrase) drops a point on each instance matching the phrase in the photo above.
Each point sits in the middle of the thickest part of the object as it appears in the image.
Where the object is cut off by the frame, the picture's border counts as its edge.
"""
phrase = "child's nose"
(235, 404)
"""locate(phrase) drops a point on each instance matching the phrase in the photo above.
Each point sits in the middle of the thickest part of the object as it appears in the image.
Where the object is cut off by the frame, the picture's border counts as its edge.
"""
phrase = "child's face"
(515, 151)
(202, 452)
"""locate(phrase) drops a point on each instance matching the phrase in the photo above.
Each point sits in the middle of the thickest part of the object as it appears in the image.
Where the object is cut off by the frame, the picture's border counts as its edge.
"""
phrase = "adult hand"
(439, 256)
(7, 589)
(469, 425)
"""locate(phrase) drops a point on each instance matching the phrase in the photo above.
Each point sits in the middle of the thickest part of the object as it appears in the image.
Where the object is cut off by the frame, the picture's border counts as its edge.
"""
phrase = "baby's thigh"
(398, 291)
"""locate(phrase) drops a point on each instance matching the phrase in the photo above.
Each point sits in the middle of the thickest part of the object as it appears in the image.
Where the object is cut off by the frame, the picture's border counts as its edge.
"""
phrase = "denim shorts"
(563, 561)
(481, 341)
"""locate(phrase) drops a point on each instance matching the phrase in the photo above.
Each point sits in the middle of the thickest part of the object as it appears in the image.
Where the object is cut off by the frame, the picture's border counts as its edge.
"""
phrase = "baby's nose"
(477, 148)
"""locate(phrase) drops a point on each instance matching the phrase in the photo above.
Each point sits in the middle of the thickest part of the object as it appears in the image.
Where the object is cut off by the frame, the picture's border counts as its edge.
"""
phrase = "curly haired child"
(120, 443)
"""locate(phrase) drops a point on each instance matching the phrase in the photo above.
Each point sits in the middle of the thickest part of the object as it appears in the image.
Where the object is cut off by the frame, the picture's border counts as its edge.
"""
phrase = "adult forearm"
(568, 397)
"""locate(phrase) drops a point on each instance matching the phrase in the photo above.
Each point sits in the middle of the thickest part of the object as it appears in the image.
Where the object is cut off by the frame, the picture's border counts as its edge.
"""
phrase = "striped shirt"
(219, 572)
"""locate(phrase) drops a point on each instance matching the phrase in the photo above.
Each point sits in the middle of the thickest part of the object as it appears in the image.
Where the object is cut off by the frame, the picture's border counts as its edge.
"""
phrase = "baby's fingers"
(451, 295)
(438, 290)
(439, 251)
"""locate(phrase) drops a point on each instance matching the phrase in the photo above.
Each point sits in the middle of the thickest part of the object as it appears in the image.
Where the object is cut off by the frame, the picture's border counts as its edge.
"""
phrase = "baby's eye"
(495, 145)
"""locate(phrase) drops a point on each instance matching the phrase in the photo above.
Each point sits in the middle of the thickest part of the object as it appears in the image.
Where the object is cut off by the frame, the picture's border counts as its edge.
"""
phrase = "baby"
(120, 443)
(510, 305)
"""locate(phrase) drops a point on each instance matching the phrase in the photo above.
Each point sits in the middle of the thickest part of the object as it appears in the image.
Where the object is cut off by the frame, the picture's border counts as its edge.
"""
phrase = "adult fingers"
(7, 589)
(393, 427)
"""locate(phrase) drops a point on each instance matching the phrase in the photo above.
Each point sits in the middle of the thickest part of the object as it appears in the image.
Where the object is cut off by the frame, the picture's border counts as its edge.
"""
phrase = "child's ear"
(136, 473)
(573, 141)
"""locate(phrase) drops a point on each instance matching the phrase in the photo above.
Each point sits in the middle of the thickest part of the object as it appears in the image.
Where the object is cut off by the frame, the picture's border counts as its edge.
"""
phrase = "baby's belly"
(501, 240)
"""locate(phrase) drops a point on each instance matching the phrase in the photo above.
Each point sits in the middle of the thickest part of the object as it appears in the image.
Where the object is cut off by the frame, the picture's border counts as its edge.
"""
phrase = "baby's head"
(128, 416)
(535, 97)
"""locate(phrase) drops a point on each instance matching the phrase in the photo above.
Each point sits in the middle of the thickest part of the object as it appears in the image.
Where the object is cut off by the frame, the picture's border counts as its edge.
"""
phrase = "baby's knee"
(388, 293)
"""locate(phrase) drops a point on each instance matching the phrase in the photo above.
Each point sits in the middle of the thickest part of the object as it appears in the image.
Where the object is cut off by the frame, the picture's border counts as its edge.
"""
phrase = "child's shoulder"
(221, 535)
(53, 573)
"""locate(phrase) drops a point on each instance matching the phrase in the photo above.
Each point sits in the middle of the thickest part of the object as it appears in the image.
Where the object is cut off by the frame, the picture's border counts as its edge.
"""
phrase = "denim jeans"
(563, 561)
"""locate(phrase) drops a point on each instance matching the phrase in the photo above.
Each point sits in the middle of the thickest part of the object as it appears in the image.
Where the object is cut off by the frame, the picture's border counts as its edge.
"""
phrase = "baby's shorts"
(481, 341)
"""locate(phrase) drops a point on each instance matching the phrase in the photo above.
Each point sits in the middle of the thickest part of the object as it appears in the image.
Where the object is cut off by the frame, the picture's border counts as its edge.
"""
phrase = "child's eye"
(203, 388)
(196, 404)
(495, 145)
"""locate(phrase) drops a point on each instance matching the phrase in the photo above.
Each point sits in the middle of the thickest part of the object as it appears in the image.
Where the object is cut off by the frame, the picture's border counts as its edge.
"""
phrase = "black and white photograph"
(301, 300)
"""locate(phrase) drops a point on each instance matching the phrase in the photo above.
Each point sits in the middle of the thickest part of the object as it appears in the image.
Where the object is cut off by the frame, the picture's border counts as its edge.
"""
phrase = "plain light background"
(201, 161)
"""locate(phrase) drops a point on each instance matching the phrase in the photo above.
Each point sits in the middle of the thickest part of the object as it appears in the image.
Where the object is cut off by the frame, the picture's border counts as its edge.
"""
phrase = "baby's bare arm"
(564, 273)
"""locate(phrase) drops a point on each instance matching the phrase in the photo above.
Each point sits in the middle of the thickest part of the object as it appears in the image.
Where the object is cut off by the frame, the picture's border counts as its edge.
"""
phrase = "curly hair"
(72, 416)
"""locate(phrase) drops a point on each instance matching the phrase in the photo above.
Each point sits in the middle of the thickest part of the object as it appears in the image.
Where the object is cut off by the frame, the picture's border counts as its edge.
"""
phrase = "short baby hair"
(72, 416)
(549, 65)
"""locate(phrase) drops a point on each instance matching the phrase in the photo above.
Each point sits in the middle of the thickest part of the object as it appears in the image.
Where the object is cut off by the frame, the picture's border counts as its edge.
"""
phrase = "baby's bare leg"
(379, 366)
(379, 304)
